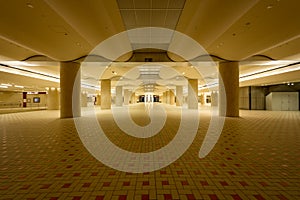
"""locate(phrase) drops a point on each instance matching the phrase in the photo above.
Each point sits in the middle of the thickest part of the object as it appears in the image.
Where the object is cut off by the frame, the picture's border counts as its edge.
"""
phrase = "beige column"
(119, 96)
(214, 98)
(83, 99)
(127, 95)
(164, 97)
(98, 100)
(70, 89)
(133, 99)
(192, 94)
(168, 100)
(105, 94)
(172, 97)
(53, 99)
(201, 98)
(229, 72)
(179, 95)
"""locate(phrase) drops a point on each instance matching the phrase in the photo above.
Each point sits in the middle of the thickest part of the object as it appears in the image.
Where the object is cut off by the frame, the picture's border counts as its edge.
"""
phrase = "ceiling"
(35, 35)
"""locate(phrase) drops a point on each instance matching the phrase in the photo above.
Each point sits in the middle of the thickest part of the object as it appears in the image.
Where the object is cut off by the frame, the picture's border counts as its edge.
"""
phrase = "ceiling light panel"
(159, 4)
(176, 4)
(150, 13)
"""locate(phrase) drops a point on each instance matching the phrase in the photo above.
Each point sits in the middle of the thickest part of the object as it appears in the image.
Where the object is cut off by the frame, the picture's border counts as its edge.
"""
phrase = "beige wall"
(283, 101)
(43, 100)
(244, 98)
(11, 99)
(257, 98)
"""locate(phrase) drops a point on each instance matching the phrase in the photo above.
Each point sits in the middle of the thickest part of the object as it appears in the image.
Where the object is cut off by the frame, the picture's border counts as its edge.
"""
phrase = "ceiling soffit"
(40, 29)
(205, 21)
(267, 25)
(13, 51)
(150, 56)
(93, 20)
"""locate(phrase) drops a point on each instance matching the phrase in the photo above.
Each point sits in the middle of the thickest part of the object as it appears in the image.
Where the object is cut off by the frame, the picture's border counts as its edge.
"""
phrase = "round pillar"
(179, 95)
(172, 97)
(105, 94)
(119, 96)
(70, 89)
(192, 94)
(229, 72)
(84, 99)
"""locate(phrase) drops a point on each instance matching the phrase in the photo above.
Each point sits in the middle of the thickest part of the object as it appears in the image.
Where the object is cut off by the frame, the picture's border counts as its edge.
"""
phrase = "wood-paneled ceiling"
(230, 30)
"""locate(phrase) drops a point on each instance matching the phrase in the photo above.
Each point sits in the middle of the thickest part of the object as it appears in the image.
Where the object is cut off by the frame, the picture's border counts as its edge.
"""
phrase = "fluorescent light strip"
(279, 70)
(273, 69)
(7, 85)
(28, 73)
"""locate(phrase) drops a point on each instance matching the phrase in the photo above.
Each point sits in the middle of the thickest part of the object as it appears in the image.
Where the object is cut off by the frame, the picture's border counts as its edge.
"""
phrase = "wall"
(31, 104)
(257, 98)
(283, 101)
(244, 98)
(10, 99)
(269, 101)
(252, 98)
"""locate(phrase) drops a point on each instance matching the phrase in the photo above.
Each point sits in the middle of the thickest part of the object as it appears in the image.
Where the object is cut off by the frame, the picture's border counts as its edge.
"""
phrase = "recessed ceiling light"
(29, 5)
(270, 6)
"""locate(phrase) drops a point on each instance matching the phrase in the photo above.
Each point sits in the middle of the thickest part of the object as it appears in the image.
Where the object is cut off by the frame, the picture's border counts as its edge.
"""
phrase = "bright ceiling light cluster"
(7, 85)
